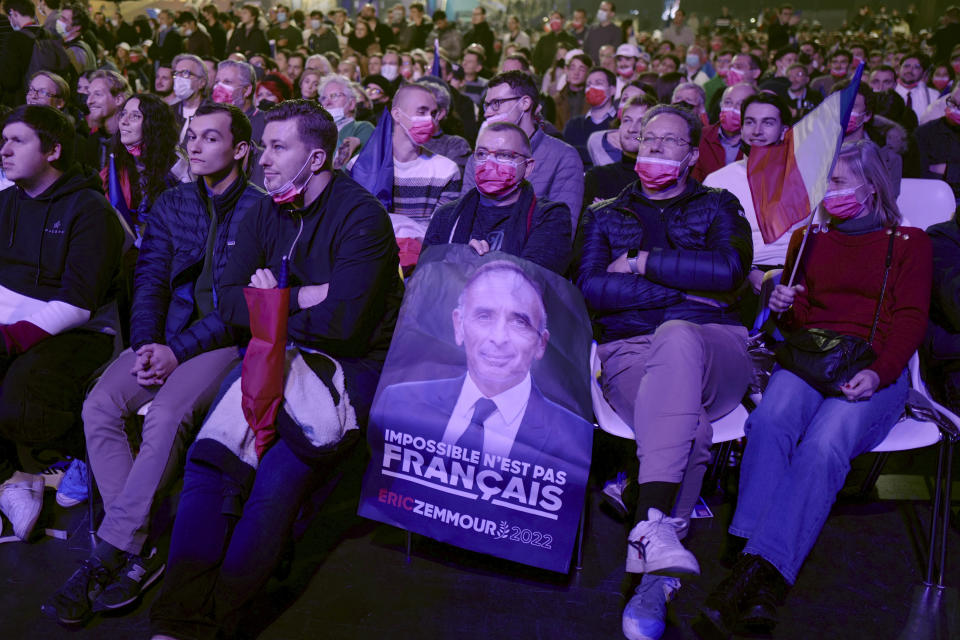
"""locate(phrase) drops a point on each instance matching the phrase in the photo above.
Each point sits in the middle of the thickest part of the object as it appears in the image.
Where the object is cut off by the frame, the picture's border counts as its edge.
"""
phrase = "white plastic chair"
(924, 424)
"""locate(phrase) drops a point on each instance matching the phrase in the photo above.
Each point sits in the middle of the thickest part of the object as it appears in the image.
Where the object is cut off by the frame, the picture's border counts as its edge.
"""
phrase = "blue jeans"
(799, 448)
(223, 549)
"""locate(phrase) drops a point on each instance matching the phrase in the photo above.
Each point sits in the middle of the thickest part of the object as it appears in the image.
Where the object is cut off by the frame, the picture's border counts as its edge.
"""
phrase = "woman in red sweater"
(800, 442)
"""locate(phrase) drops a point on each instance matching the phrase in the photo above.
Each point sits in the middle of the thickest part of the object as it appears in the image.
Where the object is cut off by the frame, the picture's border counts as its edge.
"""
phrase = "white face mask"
(314, 24)
(187, 33)
(602, 15)
(337, 114)
(182, 88)
(61, 28)
(389, 71)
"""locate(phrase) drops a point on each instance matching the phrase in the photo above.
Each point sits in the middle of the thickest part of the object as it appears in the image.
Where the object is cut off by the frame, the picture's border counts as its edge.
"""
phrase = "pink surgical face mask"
(223, 94)
(420, 129)
(843, 203)
(657, 174)
(940, 82)
(289, 191)
(730, 119)
(734, 76)
(952, 114)
(855, 121)
(495, 179)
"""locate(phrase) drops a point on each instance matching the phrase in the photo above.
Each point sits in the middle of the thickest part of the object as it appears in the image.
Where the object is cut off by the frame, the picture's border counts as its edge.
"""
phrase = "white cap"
(627, 50)
(573, 52)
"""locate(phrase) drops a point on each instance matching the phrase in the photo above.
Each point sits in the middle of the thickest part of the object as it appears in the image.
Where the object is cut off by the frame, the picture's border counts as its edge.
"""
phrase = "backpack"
(49, 54)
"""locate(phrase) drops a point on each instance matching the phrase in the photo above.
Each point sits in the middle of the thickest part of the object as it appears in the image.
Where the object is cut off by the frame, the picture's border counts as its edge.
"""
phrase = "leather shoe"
(720, 612)
(758, 615)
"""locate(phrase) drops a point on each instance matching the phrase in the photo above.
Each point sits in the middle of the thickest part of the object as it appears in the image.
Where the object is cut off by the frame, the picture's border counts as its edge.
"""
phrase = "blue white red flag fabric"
(435, 68)
(374, 166)
(115, 194)
(788, 181)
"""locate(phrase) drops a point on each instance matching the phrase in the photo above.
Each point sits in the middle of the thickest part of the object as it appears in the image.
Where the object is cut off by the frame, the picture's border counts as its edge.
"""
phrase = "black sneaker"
(71, 604)
(132, 580)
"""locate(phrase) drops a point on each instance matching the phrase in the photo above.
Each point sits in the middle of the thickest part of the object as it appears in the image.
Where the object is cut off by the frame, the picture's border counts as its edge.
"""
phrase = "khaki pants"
(129, 485)
(669, 385)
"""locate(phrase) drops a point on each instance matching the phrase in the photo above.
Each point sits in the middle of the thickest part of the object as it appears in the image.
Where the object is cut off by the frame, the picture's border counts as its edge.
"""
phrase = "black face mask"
(266, 105)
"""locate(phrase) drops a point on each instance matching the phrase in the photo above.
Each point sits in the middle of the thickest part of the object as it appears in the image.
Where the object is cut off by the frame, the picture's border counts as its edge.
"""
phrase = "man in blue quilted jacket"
(180, 351)
(660, 269)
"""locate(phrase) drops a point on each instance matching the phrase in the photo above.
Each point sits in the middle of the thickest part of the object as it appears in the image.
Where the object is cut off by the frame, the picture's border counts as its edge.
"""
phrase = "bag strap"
(883, 288)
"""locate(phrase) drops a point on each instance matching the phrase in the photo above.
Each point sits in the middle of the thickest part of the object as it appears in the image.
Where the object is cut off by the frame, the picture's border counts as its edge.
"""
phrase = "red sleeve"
(797, 314)
(906, 305)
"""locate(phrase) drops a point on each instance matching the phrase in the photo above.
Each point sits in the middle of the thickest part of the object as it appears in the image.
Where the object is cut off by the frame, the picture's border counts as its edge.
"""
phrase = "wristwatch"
(632, 259)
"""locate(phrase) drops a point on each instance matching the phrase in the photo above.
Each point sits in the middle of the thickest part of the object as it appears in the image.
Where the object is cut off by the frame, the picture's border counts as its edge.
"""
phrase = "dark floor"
(349, 578)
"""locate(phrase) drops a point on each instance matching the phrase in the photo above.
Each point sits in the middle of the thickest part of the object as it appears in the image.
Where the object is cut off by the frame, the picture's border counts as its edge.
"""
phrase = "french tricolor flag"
(788, 181)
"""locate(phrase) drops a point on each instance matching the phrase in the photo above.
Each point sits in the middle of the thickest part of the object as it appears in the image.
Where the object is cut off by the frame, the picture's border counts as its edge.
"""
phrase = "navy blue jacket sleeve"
(606, 291)
(152, 286)
(720, 266)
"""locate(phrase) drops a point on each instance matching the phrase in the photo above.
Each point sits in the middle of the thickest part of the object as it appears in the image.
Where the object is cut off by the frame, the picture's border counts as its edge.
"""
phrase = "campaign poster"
(479, 431)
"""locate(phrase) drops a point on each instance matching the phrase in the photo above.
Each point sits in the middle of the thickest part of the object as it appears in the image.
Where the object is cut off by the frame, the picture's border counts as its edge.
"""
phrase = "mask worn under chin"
(658, 173)
(182, 88)
(596, 96)
(389, 71)
(843, 204)
(420, 129)
(730, 120)
(494, 179)
(288, 191)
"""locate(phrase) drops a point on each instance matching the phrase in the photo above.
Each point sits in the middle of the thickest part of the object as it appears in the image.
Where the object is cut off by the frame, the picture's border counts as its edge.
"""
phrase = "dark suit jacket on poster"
(424, 407)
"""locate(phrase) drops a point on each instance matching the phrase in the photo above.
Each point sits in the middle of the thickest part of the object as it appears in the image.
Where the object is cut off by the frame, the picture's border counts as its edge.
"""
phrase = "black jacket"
(63, 244)
(943, 335)
(171, 259)
(699, 243)
(533, 229)
(253, 42)
(607, 181)
(346, 240)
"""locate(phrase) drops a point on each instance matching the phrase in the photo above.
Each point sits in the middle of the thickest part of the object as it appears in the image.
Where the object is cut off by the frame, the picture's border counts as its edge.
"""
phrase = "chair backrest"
(924, 203)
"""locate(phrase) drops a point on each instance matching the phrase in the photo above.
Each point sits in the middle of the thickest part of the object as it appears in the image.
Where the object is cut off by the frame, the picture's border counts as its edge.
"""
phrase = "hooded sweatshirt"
(59, 254)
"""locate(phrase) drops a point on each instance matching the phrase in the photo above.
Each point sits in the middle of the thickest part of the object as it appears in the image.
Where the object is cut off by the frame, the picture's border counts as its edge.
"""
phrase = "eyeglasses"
(495, 104)
(502, 157)
(184, 73)
(333, 96)
(374, 91)
(43, 93)
(668, 141)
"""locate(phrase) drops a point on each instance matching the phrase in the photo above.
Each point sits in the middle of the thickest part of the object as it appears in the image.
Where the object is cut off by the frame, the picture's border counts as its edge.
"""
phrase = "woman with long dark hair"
(144, 155)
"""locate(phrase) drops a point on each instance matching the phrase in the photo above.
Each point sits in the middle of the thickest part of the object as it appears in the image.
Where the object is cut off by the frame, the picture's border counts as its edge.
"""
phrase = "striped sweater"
(423, 184)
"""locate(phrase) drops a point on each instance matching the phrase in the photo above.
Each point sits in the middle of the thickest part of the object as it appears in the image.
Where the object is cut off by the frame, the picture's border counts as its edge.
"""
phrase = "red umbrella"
(261, 380)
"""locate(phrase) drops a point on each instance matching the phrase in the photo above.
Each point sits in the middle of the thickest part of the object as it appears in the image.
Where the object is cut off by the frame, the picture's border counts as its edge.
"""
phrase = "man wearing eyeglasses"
(660, 267)
(557, 174)
(501, 213)
(336, 96)
(189, 85)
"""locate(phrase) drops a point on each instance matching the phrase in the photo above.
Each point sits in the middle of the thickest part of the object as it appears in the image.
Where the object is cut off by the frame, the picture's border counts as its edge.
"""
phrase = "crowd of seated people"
(156, 165)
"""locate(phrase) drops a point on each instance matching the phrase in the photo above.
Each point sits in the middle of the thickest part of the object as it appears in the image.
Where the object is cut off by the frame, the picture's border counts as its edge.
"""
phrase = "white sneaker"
(645, 616)
(653, 547)
(21, 499)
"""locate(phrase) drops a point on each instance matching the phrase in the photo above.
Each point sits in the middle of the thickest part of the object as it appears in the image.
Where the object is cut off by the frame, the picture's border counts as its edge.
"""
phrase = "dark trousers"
(43, 391)
(224, 549)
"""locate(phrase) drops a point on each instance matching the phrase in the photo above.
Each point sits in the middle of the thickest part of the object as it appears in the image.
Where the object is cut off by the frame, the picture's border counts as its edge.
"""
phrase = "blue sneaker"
(73, 487)
(645, 616)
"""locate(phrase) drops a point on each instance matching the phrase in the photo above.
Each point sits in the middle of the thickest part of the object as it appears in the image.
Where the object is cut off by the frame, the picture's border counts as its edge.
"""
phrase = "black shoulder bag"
(826, 359)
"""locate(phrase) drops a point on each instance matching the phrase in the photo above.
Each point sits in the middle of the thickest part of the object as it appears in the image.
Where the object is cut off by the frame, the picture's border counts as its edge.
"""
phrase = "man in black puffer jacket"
(180, 351)
(661, 265)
